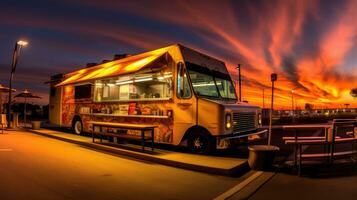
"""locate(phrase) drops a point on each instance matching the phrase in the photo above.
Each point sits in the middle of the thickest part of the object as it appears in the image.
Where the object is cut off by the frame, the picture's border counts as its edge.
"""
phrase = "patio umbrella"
(26, 94)
(2, 90)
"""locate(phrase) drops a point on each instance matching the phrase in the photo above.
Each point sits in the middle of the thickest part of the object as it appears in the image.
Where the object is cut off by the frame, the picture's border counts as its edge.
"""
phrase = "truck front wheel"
(201, 144)
(77, 126)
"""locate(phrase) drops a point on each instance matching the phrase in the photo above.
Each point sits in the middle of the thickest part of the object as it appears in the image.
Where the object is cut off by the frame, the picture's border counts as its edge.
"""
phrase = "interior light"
(163, 77)
(142, 80)
(123, 82)
(202, 84)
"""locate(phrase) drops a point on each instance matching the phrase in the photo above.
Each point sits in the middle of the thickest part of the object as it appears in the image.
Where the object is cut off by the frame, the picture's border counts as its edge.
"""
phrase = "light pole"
(263, 99)
(18, 45)
(274, 77)
(292, 106)
(239, 83)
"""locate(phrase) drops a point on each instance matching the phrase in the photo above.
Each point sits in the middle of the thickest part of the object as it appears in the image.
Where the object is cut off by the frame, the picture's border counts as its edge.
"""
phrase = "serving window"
(153, 85)
(82, 91)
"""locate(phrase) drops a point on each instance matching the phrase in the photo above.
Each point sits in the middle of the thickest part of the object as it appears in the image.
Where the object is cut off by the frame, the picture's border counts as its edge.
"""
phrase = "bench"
(340, 154)
(306, 138)
(330, 154)
(140, 127)
(329, 140)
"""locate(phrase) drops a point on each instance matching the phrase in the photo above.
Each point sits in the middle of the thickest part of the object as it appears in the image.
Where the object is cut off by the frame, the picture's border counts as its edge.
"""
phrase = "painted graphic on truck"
(133, 113)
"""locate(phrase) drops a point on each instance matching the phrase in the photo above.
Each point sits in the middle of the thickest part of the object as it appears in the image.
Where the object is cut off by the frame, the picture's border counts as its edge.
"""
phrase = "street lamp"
(263, 99)
(18, 46)
(239, 83)
(274, 77)
(292, 106)
(22, 43)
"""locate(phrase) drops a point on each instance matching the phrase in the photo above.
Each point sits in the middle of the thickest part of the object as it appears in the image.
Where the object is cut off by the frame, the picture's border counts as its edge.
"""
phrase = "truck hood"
(232, 104)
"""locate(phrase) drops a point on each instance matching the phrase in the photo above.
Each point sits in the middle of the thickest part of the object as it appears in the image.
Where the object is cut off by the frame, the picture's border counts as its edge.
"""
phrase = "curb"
(252, 187)
(235, 171)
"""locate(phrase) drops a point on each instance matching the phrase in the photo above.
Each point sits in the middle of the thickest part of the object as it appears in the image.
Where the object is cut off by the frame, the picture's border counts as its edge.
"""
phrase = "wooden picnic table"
(140, 127)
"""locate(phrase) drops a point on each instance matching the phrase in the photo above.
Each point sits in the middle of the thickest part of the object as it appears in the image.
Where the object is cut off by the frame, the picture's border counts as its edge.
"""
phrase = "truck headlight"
(260, 118)
(228, 121)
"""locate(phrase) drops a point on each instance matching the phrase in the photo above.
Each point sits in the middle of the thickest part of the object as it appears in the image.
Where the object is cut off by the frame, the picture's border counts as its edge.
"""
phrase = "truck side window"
(83, 91)
(183, 88)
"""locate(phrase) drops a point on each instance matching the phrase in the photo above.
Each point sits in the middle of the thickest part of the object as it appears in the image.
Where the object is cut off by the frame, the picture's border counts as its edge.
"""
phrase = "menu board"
(124, 92)
(106, 92)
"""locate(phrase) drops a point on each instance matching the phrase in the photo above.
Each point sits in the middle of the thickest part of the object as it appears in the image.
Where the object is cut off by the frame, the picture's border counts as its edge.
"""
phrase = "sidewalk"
(208, 164)
(285, 186)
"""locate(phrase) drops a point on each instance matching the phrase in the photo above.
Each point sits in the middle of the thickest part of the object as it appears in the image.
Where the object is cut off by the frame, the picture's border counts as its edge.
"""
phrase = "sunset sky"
(311, 45)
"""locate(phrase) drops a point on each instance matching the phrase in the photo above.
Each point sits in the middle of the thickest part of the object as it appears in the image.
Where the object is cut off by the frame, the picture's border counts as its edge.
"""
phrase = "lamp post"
(274, 77)
(239, 83)
(292, 106)
(263, 99)
(18, 45)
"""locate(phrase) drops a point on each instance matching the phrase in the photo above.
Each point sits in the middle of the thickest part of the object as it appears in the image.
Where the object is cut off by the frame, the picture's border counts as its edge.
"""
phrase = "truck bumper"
(225, 142)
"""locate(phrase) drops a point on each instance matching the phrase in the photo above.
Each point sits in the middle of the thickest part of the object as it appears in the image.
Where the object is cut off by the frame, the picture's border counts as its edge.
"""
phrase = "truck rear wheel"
(77, 126)
(201, 143)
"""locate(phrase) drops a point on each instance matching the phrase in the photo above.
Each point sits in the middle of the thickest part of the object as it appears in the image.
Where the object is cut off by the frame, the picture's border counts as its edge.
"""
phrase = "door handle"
(184, 104)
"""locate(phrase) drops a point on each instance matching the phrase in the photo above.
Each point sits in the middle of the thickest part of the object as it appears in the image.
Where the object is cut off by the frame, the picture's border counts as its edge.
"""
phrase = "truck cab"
(220, 120)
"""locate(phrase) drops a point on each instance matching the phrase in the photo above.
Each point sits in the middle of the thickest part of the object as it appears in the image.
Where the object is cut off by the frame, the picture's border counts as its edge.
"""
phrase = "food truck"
(189, 96)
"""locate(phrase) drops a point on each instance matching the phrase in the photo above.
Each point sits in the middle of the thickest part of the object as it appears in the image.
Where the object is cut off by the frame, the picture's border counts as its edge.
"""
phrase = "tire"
(201, 143)
(77, 126)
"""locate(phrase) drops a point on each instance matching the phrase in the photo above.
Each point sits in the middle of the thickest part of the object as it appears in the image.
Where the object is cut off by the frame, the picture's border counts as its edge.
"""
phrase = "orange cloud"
(264, 37)
(267, 46)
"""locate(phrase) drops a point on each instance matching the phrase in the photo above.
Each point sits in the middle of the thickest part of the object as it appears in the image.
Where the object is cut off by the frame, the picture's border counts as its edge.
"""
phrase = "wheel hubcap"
(78, 127)
(198, 143)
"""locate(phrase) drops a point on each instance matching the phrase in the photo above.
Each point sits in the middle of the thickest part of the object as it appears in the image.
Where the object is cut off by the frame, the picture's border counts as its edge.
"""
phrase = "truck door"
(184, 106)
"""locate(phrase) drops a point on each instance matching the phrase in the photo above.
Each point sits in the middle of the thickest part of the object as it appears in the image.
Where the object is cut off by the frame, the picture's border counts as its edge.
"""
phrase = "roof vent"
(120, 56)
(105, 61)
(91, 64)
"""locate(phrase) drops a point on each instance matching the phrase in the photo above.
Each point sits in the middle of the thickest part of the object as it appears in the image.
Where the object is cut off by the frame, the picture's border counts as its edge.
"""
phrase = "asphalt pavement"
(37, 167)
(340, 185)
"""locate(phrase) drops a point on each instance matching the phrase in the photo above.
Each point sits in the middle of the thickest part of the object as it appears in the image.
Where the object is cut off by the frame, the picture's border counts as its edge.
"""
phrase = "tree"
(309, 106)
(354, 92)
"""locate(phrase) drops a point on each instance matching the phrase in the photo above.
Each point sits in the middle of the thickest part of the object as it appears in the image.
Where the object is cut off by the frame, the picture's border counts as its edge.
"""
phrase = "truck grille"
(244, 121)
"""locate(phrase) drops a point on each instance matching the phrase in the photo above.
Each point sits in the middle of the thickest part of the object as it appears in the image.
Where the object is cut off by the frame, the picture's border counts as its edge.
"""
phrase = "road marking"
(5, 149)
(238, 187)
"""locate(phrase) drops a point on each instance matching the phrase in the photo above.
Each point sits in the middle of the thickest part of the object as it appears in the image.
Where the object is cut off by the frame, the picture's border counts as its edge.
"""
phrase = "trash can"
(261, 157)
(36, 124)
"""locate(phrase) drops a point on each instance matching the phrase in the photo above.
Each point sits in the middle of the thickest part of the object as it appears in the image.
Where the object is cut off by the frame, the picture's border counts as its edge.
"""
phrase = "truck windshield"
(203, 84)
(210, 84)
(225, 88)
